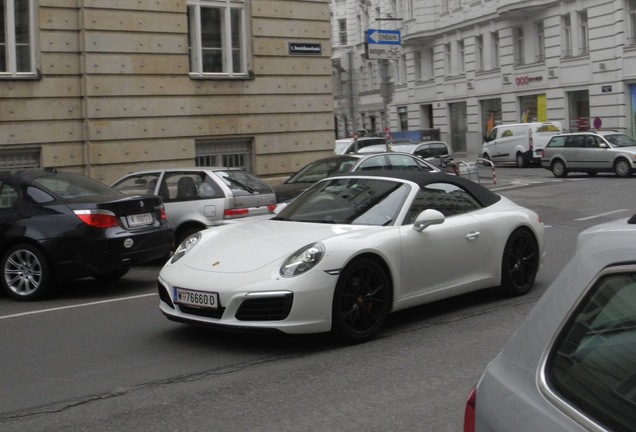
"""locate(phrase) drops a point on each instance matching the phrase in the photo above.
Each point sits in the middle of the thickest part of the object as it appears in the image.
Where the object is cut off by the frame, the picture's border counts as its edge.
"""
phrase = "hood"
(247, 246)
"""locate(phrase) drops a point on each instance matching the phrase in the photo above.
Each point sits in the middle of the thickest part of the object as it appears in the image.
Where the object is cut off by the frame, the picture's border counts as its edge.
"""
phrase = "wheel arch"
(382, 263)
(187, 226)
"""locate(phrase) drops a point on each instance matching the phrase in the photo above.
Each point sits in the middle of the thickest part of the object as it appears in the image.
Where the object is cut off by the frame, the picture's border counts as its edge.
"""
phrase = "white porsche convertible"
(349, 251)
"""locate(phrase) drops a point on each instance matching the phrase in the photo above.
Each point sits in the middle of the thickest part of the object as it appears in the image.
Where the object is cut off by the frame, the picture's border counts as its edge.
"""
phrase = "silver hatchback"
(590, 152)
(197, 198)
(571, 365)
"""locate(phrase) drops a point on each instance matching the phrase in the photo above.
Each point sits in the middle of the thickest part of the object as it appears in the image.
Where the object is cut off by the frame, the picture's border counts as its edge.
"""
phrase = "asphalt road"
(100, 357)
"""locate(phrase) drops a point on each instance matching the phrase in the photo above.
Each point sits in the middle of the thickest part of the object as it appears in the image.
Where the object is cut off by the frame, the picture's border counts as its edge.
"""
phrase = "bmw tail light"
(236, 213)
(271, 208)
(469, 414)
(98, 218)
(163, 214)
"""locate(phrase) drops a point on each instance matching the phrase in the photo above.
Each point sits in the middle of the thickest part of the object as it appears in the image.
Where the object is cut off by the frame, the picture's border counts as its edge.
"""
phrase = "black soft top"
(483, 195)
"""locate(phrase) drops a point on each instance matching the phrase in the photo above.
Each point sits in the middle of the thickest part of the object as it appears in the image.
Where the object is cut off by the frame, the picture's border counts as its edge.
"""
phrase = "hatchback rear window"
(243, 183)
(593, 363)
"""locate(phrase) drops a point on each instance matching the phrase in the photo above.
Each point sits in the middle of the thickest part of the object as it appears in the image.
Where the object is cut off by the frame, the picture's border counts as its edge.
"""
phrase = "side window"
(403, 163)
(373, 163)
(557, 142)
(593, 362)
(8, 196)
(576, 141)
(439, 149)
(507, 133)
(183, 186)
(592, 142)
(447, 198)
(138, 184)
(424, 151)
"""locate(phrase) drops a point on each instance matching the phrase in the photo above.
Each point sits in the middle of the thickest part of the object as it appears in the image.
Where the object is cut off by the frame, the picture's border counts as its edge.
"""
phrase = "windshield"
(359, 201)
(620, 140)
(321, 169)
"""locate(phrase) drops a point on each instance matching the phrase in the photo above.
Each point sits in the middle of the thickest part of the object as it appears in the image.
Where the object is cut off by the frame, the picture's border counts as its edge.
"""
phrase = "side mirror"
(427, 218)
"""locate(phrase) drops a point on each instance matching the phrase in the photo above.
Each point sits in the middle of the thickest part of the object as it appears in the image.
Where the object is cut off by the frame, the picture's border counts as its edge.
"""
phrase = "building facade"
(109, 87)
(468, 64)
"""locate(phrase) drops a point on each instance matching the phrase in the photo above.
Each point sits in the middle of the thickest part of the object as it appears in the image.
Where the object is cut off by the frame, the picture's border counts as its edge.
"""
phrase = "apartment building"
(108, 87)
(468, 64)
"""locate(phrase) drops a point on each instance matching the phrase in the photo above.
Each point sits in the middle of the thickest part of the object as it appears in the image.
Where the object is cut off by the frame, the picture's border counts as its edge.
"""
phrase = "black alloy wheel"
(520, 263)
(361, 302)
(26, 274)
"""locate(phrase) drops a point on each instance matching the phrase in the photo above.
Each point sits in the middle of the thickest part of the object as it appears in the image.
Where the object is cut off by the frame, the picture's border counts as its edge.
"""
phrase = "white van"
(521, 143)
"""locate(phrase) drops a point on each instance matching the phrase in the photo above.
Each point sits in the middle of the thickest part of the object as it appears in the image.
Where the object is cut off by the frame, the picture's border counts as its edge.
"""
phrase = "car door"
(574, 152)
(596, 157)
(192, 196)
(446, 256)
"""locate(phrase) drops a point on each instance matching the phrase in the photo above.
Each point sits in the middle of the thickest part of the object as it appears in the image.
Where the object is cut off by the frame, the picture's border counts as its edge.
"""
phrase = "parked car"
(521, 143)
(590, 152)
(326, 167)
(427, 150)
(350, 250)
(571, 365)
(59, 226)
(350, 145)
(197, 198)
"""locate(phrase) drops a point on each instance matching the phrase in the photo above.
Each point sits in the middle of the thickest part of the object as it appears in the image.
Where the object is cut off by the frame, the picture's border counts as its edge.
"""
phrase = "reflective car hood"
(247, 246)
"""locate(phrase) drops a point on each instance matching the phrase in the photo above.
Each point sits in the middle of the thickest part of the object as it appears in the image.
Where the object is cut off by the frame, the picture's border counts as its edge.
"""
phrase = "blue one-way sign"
(384, 44)
(384, 37)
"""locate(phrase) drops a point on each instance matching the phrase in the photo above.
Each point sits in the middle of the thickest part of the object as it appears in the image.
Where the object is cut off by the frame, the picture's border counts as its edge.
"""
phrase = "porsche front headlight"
(185, 247)
(302, 260)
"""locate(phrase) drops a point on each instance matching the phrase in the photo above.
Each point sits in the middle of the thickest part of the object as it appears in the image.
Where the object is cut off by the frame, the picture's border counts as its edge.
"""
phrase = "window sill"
(222, 77)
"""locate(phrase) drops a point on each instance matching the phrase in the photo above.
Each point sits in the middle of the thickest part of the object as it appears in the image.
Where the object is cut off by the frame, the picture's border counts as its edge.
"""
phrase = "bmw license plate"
(196, 299)
(139, 219)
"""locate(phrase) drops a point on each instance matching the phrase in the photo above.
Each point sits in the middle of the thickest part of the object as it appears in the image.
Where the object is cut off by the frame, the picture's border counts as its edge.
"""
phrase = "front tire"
(361, 301)
(26, 274)
(559, 169)
(623, 168)
(520, 161)
(520, 263)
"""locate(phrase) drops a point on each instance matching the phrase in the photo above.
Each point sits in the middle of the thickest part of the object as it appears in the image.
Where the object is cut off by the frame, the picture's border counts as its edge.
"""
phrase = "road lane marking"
(600, 215)
(76, 306)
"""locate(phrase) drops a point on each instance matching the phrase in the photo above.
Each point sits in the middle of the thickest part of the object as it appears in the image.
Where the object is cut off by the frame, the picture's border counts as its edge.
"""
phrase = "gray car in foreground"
(571, 366)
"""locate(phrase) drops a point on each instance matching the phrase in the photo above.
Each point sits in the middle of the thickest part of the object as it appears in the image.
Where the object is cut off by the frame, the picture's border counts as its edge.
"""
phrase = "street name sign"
(384, 44)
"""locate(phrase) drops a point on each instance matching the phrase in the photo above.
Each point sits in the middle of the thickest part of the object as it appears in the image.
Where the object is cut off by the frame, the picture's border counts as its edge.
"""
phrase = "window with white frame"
(631, 8)
(461, 56)
(17, 50)
(419, 70)
(566, 25)
(479, 53)
(217, 37)
(540, 32)
(342, 31)
(519, 49)
(583, 31)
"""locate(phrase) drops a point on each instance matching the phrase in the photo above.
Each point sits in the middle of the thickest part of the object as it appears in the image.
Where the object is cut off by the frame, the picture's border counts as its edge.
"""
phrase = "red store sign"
(525, 80)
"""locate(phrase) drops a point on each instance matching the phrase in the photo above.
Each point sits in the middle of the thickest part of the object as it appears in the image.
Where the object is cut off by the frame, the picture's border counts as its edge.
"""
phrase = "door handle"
(472, 235)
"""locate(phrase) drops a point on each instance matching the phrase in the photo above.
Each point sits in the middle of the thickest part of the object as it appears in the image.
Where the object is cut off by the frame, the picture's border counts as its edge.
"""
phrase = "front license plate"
(139, 219)
(196, 298)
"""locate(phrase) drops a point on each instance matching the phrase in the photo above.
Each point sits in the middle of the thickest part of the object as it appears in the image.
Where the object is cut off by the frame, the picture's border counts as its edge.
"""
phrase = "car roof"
(483, 195)
(187, 169)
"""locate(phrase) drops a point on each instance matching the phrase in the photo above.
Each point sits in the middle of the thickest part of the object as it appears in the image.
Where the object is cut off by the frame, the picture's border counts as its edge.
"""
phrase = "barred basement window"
(230, 152)
(19, 159)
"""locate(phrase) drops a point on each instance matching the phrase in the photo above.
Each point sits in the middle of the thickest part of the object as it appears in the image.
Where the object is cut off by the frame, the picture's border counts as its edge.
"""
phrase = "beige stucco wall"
(115, 96)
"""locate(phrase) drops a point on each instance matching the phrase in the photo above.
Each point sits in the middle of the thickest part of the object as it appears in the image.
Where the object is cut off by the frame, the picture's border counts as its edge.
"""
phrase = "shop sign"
(525, 80)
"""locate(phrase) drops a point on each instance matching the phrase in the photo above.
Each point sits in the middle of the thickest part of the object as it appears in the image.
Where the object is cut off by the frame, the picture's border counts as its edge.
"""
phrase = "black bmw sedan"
(57, 226)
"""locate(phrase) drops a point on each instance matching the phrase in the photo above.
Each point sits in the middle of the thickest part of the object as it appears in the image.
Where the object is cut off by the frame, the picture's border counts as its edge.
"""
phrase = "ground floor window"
(229, 153)
(458, 125)
(490, 114)
(633, 113)
(533, 108)
(579, 105)
(20, 159)
(403, 118)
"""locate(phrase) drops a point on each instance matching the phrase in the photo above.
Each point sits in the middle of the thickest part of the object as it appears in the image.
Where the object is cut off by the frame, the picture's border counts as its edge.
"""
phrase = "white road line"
(76, 306)
(600, 215)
